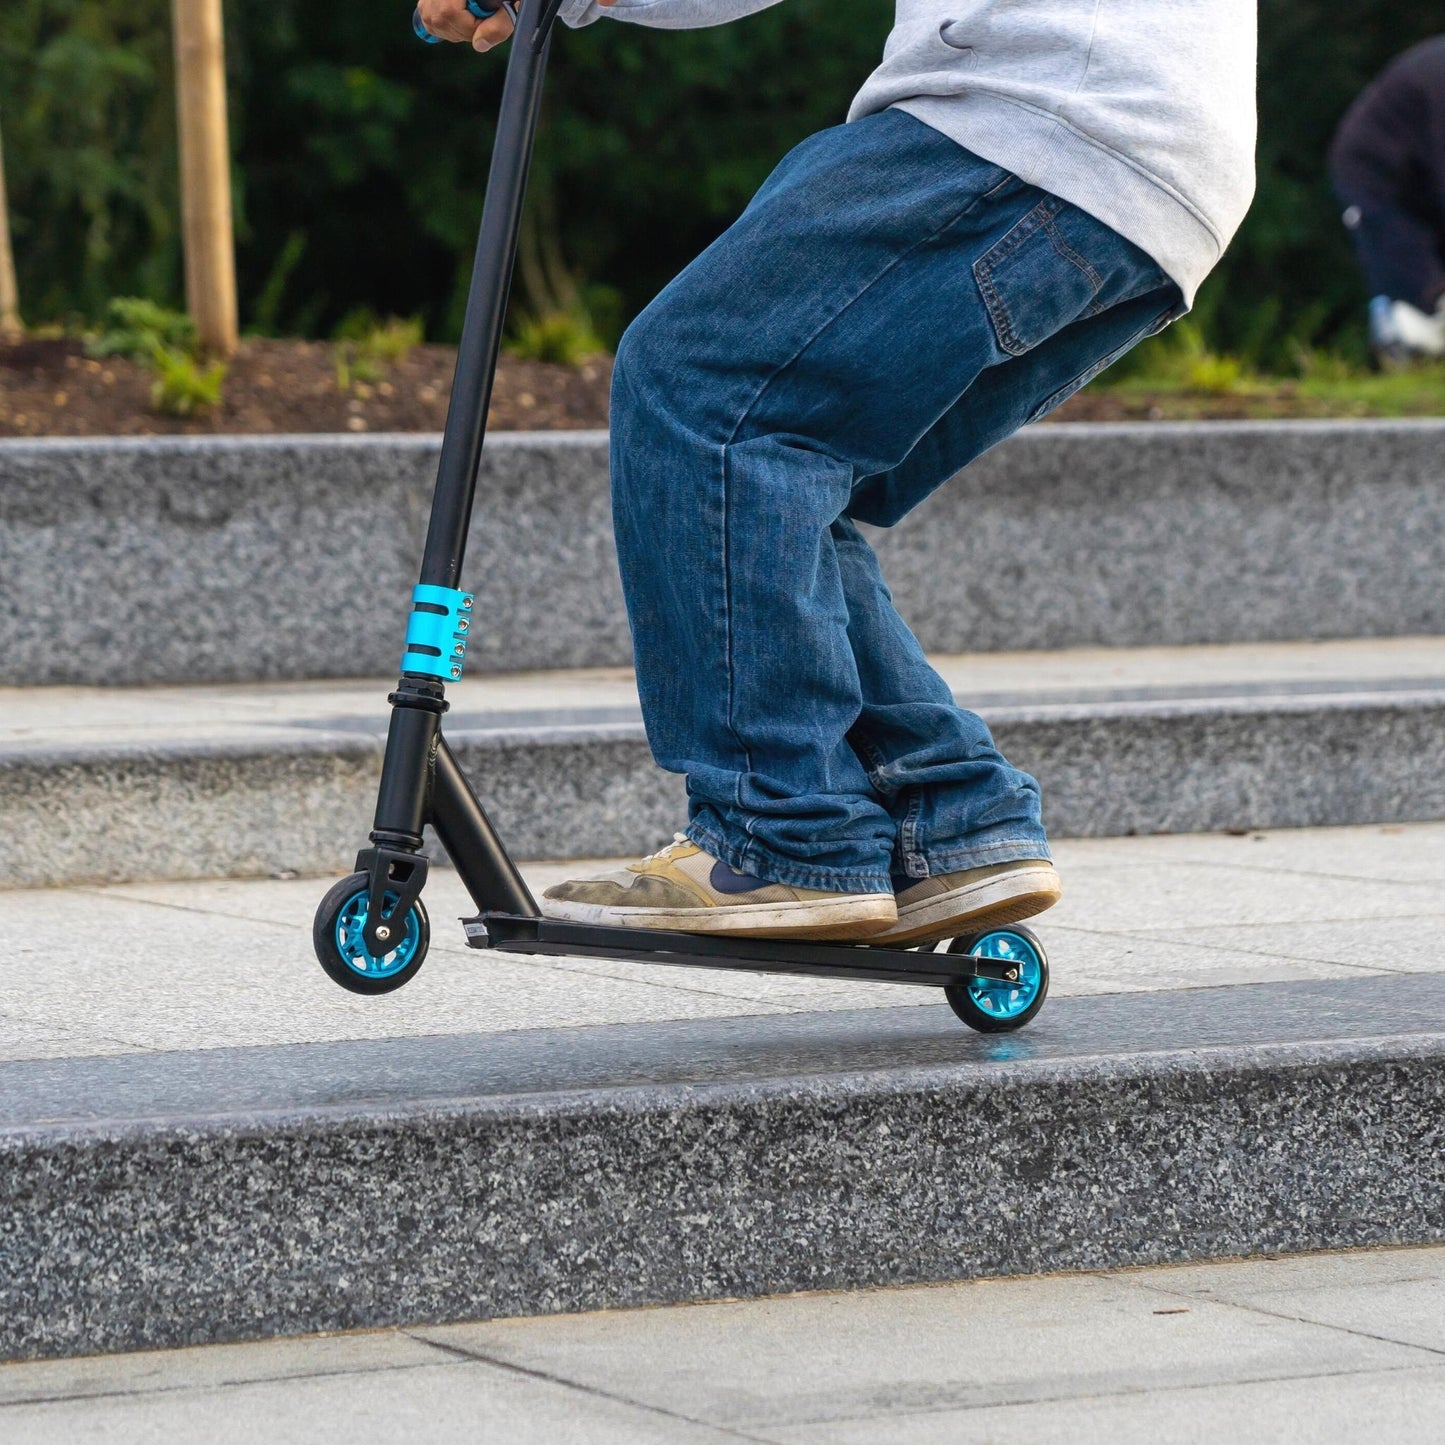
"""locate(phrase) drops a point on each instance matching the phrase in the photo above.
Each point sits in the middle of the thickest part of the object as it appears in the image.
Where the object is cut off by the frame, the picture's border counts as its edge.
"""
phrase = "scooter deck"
(513, 933)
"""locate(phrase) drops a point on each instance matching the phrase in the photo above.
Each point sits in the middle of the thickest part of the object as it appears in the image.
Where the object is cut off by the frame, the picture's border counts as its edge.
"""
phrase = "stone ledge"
(290, 801)
(177, 1199)
(239, 558)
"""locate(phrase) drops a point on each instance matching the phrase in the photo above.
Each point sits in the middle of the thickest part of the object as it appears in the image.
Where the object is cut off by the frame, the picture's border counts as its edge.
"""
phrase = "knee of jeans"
(639, 375)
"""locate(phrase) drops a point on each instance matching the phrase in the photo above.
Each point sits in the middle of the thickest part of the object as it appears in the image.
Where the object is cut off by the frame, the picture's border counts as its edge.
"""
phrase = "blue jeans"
(888, 307)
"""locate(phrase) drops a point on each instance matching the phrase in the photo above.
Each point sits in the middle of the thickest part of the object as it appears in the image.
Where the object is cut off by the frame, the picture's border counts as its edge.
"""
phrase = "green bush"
(361, 157)
(138, 328)
(165, 342)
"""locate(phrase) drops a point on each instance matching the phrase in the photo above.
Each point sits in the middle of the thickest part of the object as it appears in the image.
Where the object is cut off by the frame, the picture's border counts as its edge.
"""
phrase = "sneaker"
(952, 904)
(1403, 334)
(684, 889)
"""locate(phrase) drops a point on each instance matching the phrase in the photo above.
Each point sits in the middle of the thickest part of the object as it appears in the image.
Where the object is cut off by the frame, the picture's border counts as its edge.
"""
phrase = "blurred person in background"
(1387, 164)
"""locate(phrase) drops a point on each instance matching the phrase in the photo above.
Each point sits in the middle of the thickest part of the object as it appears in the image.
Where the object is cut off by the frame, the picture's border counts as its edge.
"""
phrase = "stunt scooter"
(371, 931)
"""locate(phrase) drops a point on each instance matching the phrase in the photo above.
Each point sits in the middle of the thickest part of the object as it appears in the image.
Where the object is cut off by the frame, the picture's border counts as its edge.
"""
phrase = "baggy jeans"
(888, 307)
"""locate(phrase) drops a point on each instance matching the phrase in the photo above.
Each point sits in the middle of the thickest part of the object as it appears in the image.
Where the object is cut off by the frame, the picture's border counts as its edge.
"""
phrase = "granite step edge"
(175, 1233)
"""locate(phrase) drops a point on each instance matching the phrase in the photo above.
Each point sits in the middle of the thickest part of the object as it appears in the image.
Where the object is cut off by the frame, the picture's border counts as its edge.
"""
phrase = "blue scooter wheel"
(337, 936)
(998, 1006)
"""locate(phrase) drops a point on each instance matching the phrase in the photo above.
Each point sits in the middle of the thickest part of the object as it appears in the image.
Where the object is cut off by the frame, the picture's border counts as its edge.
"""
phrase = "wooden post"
(10, 324)
(205, 172)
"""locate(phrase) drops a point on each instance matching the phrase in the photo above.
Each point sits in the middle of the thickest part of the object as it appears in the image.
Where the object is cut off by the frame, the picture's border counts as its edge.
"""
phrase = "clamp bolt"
(456, 672)
(463, 625)
(460, 650)
(466, 604)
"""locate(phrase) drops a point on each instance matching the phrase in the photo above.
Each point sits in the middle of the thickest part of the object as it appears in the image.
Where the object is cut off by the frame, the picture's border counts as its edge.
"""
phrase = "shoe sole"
(991, 903)
(847, 919)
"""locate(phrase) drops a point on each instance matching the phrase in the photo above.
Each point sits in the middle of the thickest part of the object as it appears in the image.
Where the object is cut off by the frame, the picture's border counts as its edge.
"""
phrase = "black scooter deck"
(512, 933)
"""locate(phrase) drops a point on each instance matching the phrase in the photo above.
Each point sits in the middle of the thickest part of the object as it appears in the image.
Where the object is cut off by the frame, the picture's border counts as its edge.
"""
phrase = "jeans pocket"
(1077, 383)
(1039, 278)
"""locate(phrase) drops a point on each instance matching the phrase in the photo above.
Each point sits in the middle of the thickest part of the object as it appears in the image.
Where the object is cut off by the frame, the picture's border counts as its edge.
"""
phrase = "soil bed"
(51, 388)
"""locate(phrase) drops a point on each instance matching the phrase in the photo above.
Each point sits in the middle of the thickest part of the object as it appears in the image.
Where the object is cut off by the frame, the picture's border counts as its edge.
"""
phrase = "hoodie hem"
(1045, 151)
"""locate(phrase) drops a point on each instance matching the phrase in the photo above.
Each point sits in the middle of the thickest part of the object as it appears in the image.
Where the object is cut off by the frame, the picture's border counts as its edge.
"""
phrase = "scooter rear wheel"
(337, 936)
(997, 1006)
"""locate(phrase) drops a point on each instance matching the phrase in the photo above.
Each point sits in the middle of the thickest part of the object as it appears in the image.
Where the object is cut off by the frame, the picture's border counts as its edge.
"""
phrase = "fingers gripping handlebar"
(477, 9)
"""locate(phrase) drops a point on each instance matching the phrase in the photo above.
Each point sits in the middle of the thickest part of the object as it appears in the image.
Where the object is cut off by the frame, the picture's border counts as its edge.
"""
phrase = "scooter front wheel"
(338, 938)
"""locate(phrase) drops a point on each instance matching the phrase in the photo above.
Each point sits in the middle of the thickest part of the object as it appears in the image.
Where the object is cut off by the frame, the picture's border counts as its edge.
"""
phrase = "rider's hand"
(451, 20)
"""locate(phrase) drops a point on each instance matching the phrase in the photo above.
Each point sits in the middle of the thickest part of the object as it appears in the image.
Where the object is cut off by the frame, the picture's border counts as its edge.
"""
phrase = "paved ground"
(43, 718)
(1317, 1348)
(165, 966)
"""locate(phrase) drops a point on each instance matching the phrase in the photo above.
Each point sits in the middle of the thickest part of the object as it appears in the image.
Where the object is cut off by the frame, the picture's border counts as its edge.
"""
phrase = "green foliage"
(164, 341)
(184, 385)
(90, 152)
(1180, 359)
(564, 337)
(138, 328)
(365, 346)
(386, 341)
(1346, 391)
(361, 158)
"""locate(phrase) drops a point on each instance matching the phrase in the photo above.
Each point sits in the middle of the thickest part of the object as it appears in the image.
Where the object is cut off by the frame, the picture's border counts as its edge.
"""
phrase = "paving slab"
(228, 963)
(445, 1401)
(1389, 1405)
(887, 1358)
(1197, 1353)
(112, 785)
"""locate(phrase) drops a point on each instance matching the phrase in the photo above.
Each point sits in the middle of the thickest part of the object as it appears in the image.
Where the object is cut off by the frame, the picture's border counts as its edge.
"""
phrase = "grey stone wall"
(182, 559)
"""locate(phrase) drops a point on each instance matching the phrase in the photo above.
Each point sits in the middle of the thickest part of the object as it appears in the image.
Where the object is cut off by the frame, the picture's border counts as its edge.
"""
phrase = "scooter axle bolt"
(383, 933)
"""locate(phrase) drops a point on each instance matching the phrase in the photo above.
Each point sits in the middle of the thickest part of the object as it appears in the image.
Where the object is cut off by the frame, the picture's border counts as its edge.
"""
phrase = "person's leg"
(878, 272)
(1401, 252)
(1402, 255)
(960, 808)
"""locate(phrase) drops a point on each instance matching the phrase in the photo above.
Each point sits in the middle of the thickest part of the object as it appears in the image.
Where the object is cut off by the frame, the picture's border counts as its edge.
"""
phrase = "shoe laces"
(666, 852)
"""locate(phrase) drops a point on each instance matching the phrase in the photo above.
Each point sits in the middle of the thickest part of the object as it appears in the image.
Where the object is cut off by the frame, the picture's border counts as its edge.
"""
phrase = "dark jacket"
(1391, 143)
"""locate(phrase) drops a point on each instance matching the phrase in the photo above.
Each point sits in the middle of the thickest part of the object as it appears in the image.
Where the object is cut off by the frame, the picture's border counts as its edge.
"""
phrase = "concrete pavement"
(205, 965)
(1318, 1348)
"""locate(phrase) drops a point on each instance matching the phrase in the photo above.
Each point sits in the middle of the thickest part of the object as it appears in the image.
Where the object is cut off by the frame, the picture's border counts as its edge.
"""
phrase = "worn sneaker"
(683, 888)
(951, 904)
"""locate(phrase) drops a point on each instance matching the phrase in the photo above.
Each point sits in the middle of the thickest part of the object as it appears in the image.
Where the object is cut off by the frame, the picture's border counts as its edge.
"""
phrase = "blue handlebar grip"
(422, 33)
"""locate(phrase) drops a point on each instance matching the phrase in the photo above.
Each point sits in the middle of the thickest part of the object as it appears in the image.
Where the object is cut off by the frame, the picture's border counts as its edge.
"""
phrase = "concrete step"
(202, 1138)
(167, 1200)
(181, 560)
(112, 784)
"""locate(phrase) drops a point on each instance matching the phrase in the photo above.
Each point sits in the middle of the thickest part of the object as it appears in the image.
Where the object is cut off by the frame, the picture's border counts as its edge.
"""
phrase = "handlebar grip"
(422, 33)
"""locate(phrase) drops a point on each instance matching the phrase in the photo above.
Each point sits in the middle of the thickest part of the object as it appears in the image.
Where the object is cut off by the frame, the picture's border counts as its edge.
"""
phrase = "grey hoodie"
(1140, 112)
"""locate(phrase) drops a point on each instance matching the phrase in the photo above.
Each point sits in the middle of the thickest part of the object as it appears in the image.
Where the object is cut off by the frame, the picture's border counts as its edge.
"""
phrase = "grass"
(1178, 377)
(183, 385)
(366, 346)
(164, 341)
(565, 338)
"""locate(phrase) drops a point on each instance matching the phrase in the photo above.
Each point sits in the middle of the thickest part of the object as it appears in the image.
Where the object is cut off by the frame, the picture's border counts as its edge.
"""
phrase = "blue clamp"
(437, 632)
